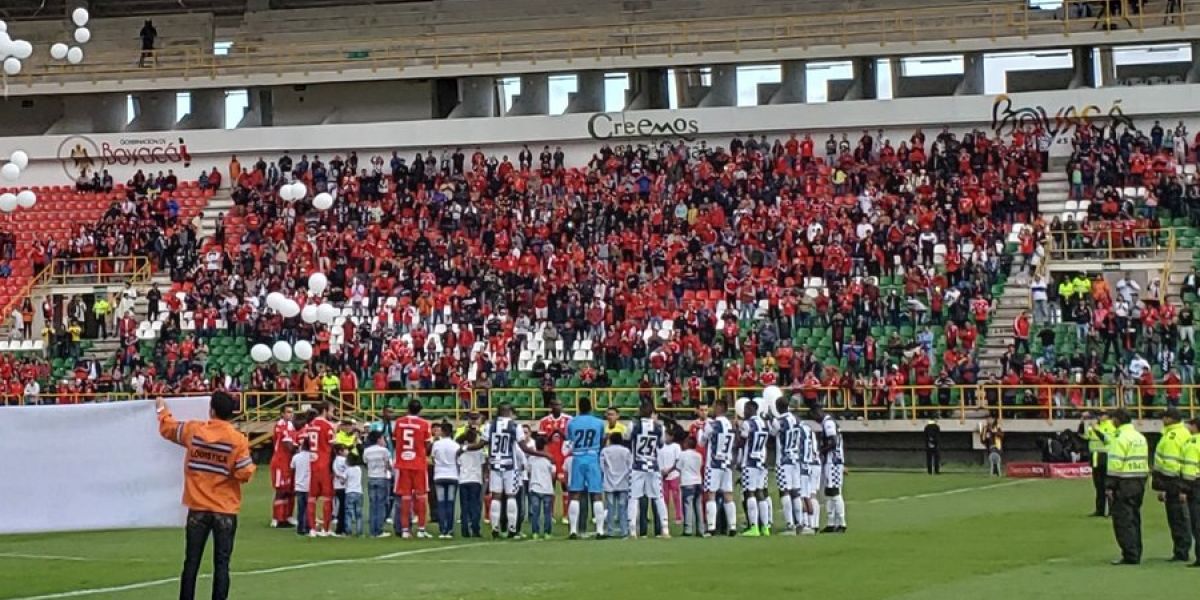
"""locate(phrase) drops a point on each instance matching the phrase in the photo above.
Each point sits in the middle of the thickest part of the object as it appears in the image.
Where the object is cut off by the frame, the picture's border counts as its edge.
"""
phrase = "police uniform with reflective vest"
(1098, 437)
(330, 385)
(1128, 467)
(1189, 473)
(1168, 470)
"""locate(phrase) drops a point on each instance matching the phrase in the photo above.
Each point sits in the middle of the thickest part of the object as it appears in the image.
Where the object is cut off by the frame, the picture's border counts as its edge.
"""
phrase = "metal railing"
(85, 271)
(1109, 245)
(985, 20)
(870, 403)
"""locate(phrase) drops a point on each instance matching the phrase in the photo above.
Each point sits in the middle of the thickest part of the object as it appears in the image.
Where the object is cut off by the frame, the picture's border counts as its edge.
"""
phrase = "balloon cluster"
(12, 52)
(311, 313)
(10, 172)
(82, 35)
(293, 191)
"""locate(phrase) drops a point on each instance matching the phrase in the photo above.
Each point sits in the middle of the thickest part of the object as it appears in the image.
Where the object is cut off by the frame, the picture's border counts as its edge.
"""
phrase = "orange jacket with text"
(216, 465)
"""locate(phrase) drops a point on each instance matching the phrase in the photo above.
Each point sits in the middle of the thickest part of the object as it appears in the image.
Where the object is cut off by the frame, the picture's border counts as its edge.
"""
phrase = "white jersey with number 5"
(718, 441)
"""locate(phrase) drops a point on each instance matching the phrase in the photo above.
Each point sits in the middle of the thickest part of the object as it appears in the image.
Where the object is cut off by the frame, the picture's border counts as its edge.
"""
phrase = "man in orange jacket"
(216, 464)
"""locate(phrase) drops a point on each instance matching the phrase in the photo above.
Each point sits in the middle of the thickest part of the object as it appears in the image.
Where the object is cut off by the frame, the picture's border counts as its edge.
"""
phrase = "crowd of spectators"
(637, 253)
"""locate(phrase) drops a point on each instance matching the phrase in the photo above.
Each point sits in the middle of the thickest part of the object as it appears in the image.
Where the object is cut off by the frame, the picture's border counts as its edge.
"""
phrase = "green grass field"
(911, 536)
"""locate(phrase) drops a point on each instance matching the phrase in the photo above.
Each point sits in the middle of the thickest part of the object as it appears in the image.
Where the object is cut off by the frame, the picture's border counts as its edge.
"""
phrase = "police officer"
(1168, 482)
(1128, 467)
(1098, 433)
(1190, 473)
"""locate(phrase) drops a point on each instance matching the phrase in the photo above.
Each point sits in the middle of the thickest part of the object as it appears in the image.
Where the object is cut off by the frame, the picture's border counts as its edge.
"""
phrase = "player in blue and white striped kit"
(719, 438)
(833, 456)
(788, 442)
(585, 437)
(646, 436)
(810, 476)
(753, 439)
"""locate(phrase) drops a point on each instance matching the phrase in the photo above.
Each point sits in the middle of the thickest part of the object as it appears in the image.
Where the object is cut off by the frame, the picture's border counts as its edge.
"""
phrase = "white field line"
(950, 492)
(283, 569)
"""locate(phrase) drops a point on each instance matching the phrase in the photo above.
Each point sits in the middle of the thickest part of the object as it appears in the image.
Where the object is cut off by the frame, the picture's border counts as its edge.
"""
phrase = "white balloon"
(3, 25)
(317, 282)
(309, 314)
(322, 201)
(299, 190)
(12, 66)
(303, 350)
(58, 51)
(8, 202)
(10, 171)
(22, 49)
(75, 55)
(83, 35)
(79, 17)
(275, 300)
(282, 351)
(26, 198)
(289, 308)
(771, 393)
(739, 408)
(260, 353)
(285, 192)
(19, 158)
(326, 313)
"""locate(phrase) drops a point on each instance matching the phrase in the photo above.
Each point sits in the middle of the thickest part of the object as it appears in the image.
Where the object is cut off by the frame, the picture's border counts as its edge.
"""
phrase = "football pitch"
(910, 536)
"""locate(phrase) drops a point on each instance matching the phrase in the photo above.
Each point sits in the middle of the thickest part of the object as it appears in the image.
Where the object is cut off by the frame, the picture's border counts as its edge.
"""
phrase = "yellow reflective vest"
(1128, 454)
(1168, 455)
(1190, 465)
(1098, 437)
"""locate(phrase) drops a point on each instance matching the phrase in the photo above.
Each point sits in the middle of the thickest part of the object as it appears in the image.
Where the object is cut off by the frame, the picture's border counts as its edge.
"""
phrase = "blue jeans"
(302, 513)
(693, 523)
(470, 499)
(446, 489)
(617, 506)
(541, 513)
(379, 489)
(354, 514)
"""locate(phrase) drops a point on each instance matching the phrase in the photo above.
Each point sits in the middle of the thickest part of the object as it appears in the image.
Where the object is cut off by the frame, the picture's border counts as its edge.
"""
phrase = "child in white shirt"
(354, 499)
(690, 479)
(302, 475)
(340, 465)
(616, 465)
(541, 493)
(445, 477)
(668, 463)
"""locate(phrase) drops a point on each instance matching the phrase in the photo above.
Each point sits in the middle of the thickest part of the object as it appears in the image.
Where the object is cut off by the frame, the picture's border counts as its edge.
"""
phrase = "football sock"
(312, 513)
(598, 514)
(328, 512)
(789, 511)
(814, 517)
(751, 513)
(831, 511)
(495, 513)
(405, 512)
(422, 506)
(731, 515)
(278, 508)
(573, 515)
(710, 514)
(764, 512)
(664, 520)
(510, 508)
(839, 504)
(632, 512)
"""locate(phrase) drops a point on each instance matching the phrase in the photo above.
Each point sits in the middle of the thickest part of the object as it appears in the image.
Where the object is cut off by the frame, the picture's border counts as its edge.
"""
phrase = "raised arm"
(169, 428)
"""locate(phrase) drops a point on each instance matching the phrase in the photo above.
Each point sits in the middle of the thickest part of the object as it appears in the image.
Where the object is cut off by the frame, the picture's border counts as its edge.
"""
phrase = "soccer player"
(319, 432)
(413, 435)
(718, 469)
(553, 428)
(281, 468)
(502, 436)
(753, 438)
(810, 476)
(585, 434)
(833, 471)
(646, 479)
(787, 432)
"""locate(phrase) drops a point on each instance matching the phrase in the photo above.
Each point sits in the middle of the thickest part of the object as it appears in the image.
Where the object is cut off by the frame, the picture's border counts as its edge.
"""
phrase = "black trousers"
(1194, 512)
(223, 528)
(1177, 520)
(1099, 473)
(933, 461)
(341, 511)
(1127, 515)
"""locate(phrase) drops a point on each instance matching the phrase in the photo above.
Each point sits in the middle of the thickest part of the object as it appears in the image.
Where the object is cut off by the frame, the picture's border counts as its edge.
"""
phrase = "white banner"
(91, 466)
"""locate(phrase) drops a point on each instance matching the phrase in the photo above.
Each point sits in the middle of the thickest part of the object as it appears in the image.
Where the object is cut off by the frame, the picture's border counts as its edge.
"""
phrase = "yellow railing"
(986, 20)
(67, 271)
(1108, 245)
(909, 402)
